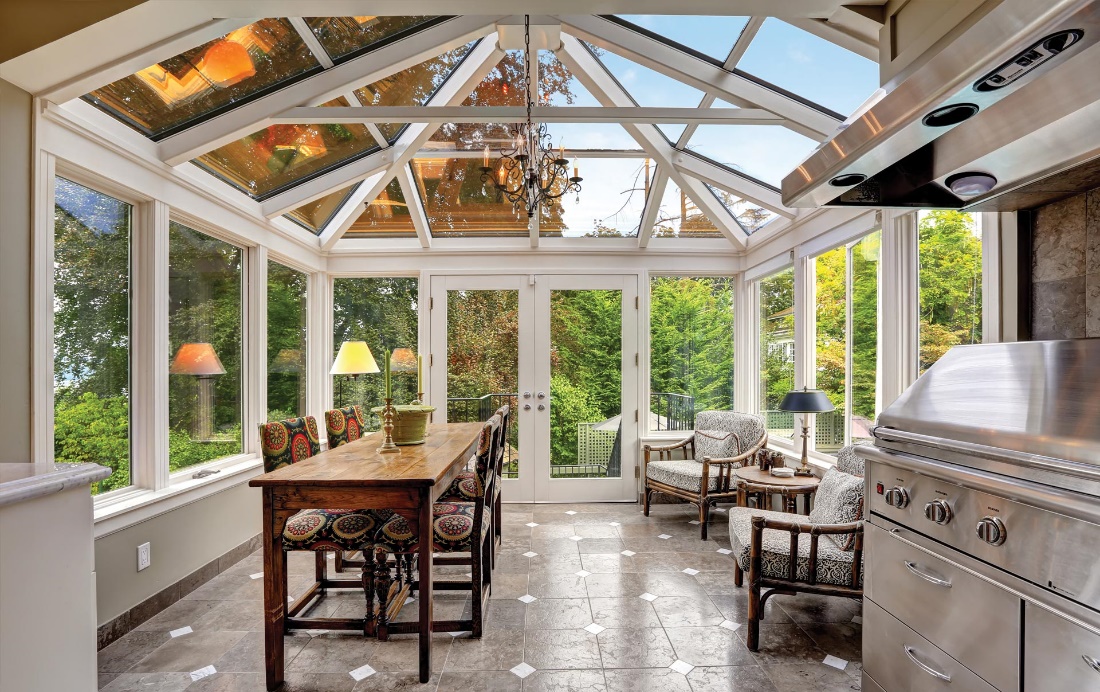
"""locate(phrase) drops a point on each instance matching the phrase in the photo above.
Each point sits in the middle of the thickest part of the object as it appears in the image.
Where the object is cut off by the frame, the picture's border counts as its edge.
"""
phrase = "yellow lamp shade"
(354, 358)
(403, 360)
(196, 359)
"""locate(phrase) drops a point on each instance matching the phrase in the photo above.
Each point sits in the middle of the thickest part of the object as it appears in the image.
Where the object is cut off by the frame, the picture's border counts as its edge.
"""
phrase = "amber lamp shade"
(196, 359)
(227, 62)
(403, 360)
(353, 359)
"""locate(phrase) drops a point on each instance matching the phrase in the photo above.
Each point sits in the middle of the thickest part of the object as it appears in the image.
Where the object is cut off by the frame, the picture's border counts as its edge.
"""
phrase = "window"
(204, 332)
(690, 348)
(950, 256)
(383, 312)
(846, 342)
(777, 350)
(92, 331)
(286, 342)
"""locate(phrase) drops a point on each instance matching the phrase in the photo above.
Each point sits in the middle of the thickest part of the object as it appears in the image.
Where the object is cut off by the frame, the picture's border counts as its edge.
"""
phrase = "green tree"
(90, 429)
(286, 342)
(776, 337)
(950, 283)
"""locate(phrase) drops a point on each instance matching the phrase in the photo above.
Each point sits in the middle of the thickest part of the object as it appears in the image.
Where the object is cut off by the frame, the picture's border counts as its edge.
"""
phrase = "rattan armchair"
(699, 478)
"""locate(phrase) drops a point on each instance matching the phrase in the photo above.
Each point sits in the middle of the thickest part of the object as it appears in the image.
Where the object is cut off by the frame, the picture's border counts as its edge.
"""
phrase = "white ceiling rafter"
(363, 115)
(477, 65)
(652, 207)
(324, 86)
(311, 41)
(336, 179)
(609, 92)
(415, 206)
(699, 73)
(742, 186)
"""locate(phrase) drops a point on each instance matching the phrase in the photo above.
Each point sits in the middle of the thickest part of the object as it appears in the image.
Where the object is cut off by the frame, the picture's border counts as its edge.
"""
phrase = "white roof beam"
(348, 8)
(311, 41)
(746, 188)
(652, 207)
(326, 85)
(603, 86)
(415, 206)
(318, 187)
(307, 115)
(699, 73)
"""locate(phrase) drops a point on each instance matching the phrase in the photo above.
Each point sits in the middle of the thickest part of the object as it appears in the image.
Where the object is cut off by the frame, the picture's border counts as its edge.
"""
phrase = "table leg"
(274, 590)
(806, 502)
(425, 590)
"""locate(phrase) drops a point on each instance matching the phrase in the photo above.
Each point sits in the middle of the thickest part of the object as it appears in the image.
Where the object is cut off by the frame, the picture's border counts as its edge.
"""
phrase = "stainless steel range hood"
(1013, 94)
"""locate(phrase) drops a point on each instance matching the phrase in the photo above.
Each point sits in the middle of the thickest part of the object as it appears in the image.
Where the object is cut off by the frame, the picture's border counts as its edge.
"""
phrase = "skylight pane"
(387, 216)
(764, 152)
(315, 215)
(713, 36)
(267, 162)
(177, 92)
(609, 204)
(751, 217)
(809, 66)
(457, 203)
(672, 132)
(503, 86)
(647, 87)
(679, 217)
(558, 86)
(344, 37)
(591, 136)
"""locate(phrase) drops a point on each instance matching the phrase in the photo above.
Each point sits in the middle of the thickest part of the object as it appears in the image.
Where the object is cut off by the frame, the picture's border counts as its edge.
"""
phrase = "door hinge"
(636, 302)
(635, 415)
(431, 359)
(431, 302)
(636, 359)
(637, 472)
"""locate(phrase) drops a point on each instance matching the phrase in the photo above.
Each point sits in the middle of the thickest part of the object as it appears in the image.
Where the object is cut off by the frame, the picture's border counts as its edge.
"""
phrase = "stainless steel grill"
(984, 512)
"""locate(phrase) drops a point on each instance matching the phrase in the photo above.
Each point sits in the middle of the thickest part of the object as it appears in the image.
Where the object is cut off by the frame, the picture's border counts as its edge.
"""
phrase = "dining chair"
(319, 531)
(458, 527)
(344, 425)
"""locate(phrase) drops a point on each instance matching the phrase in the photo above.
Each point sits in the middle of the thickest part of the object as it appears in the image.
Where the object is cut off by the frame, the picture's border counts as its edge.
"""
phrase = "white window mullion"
(254, 347)
(805, 333)
(746, 349)
(849, 303)
(149, 354)
(320, 346)
(899, 303)
(42, 365)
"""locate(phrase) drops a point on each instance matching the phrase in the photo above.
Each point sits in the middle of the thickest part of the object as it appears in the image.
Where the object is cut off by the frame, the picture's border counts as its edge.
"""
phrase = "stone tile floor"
(623, 608)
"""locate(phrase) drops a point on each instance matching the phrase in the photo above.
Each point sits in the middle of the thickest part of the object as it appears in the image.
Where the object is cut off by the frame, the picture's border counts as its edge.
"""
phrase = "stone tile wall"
(1065, 269)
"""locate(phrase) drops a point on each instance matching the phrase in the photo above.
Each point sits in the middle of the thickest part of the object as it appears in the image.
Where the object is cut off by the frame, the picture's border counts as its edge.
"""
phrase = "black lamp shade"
(806, 401)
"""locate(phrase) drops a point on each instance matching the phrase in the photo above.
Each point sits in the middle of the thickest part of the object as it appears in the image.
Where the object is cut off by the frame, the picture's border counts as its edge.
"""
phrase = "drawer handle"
(912, 567)
(1093, 663)
(912, 654)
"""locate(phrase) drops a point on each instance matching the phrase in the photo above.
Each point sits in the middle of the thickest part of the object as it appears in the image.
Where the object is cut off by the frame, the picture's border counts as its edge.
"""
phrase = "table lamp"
(805, 401)
(354, 359)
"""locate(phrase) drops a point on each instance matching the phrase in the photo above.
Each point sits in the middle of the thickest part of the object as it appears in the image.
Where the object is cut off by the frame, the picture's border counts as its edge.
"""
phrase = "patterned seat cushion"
(848, 462)
(834, 566)
(343, 425)
(747, 427)
(464, 488)
(715, 444)
(453, 529)
(288, 441)
(330, 529)
(685, 474)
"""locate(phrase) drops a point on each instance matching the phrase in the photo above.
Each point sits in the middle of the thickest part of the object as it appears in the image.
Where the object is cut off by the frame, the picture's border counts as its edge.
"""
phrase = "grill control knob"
(938, 511)
(992, 530)
(897, 497)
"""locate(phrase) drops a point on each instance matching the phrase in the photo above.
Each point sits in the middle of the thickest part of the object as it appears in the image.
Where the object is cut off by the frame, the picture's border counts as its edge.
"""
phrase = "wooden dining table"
(358, 476)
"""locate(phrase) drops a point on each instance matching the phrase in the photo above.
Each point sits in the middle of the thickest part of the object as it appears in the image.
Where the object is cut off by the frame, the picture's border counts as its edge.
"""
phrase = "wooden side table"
(751, 480)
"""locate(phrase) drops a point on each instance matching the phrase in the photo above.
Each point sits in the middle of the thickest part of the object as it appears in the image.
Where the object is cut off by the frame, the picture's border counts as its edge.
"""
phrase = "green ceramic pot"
(410, 422)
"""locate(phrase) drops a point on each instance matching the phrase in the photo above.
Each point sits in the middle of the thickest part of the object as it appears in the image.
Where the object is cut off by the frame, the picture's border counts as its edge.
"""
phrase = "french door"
(562, 350)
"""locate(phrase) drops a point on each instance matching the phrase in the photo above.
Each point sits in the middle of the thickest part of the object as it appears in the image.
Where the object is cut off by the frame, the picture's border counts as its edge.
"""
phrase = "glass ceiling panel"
(713, 36)
(457, 203)
(809, 66)
(751, 217)
(267, 162)
(315, 215)
(765, 152)
(646, 86)
(345, 37)
(609, 204)
(177, 92)
(558, 86)
(591, 136)
(679, 217)
(386, 217)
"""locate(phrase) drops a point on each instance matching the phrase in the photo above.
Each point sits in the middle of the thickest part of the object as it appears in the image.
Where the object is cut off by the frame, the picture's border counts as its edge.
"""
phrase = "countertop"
(22, 482)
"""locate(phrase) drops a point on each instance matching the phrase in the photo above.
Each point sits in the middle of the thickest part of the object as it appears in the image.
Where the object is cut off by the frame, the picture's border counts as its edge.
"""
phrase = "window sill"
(125, 510)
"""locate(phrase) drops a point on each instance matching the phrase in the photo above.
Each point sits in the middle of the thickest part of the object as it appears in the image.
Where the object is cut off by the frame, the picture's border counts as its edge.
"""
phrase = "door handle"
(911, 653)
(527, 407)
(542, 395)
(542, 407)
(527, 395)
(912, 567)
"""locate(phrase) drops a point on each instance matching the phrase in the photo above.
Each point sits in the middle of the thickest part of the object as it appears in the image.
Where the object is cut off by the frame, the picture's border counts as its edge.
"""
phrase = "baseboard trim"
(115, 629)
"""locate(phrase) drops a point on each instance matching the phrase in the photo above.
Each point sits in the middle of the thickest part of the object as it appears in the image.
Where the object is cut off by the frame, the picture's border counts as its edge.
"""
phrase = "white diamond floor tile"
(180, 632)
(576, 538)
(664, 536)
(570, 512)
(730, 625)
(532, 524)
(648, 597)
(681, 667)
(858, 620)
(583, 573)
(530, 553)
(527, 598)
(594, 628)
(201, 673)
(719, 509)
(628, 553)
(725, 551)
(257, 575)
(523, 670)
(362, 673)
(694, 521)
(691, 572)
(835, 662)
(614, 523)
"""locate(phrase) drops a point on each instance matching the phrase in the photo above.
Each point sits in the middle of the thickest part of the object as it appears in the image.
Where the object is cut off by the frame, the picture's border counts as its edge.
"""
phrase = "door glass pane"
(586, 384)
(865, 403)
(777, 350)
(483, 361)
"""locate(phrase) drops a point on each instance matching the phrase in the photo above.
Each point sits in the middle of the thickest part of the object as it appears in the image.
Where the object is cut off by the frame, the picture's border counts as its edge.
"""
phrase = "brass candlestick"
(387, 428)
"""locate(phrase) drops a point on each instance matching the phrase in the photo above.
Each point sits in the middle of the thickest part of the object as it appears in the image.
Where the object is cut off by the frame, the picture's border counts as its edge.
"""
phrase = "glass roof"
(558, 86)
(610, 202)
(457, 203)
(647, 87)
(346, 37)
(764, 152)
(712, 36)
(386, 217)
(679, 217)
(315, 215)
(174, 93)
(751, 217)
(810, 66)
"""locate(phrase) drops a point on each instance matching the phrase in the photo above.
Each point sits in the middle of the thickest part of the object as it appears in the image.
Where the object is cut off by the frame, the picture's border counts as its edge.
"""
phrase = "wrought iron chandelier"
(530, 172)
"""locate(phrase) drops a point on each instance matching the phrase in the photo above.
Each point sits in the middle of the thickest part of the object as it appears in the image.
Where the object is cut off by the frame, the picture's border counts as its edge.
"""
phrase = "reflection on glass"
(713, 36)
(315, 215)
(865, 256)
(483, 361)
(457, 203)
(286, 342)
(950, 256)
(344, 37)
(690, 348)
(751, 217)
(204, 337)
(586, 384)
(831, 352)
(387, 216)
(764, 152)
(91, 335)
(558, 86)
(679, 216)
(173, 93)
(777, 350)
(610, 203)
(382, 311)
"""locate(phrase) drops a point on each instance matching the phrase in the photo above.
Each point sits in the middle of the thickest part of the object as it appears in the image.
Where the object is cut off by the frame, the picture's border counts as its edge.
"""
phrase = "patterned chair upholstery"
(288, 441)
(788, 556)
(700, 468)
(343, 425)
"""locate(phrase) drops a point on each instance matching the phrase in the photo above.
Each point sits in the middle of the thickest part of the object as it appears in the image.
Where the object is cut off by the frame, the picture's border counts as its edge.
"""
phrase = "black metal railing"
(471, 409)
(672, 411)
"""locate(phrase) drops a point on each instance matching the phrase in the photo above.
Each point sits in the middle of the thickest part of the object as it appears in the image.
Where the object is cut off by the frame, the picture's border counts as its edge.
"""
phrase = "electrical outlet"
(145, 556)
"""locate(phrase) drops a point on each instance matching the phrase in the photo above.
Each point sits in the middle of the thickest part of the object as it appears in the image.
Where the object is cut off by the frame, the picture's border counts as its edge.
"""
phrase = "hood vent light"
(1038, 54)
(950, 115)
(970, 184)
(848, 180)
